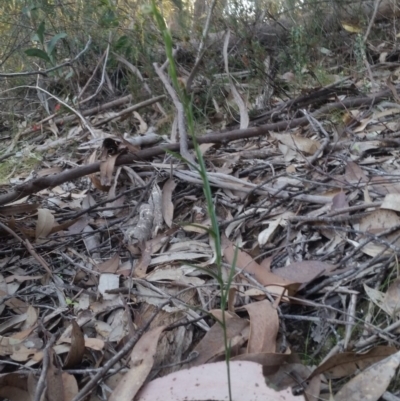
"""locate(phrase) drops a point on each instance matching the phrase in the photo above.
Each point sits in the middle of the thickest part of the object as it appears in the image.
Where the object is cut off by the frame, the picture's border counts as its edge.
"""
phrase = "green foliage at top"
(48, 50)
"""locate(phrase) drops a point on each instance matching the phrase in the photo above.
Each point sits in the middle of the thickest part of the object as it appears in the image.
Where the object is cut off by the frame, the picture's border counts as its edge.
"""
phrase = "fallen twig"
(45, 72)
(38, 184)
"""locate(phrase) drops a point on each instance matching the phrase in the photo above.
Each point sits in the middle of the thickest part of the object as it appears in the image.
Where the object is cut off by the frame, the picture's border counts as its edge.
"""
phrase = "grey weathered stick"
(41, 384)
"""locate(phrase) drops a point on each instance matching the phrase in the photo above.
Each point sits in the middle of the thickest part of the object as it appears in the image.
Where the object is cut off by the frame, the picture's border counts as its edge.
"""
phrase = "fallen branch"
(38, 184)
(45, 72)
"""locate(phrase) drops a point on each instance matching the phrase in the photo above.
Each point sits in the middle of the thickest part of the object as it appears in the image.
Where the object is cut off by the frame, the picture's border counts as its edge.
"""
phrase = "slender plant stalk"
(214, 231)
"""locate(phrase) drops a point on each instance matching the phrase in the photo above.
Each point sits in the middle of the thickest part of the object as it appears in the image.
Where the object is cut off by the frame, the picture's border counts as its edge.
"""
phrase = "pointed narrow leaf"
(37, 53)
(54, 40)
(40, 32)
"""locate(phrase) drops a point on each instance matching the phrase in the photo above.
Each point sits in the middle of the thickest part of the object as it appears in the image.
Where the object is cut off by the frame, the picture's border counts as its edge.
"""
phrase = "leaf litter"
(99, 289)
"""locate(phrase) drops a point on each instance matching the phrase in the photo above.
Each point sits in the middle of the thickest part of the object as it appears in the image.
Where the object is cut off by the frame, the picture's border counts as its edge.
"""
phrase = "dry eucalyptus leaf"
(391, 202)
(209, 382)
(346, 364)
(371, 383)
(212, 344)
(142, 360)
(75, 354)
(167, 205)
(44, 223)
(14, 387)
(54, 380)
(298, 143)
(392, 298)
(264, 326)
(109, 266)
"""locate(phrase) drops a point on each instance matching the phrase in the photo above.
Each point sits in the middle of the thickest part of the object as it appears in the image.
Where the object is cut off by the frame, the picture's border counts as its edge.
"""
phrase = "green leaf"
(40, 32)
(122, 43)
(37, 53)
(109, 19)
(27, 10)
(178, 4)
(53, 42)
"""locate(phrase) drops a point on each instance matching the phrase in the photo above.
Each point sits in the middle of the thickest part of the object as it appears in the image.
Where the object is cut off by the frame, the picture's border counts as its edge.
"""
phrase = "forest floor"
(108, 278)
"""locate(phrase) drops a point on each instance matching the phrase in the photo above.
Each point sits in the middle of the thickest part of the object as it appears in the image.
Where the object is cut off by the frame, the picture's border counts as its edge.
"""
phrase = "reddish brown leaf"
(14, 386)
(392, 298)
(342, 365)
(354, 174)
(212, 344)
(11, 210)
(109, 266)
(245, 261)
(339, 201)
(77, 349)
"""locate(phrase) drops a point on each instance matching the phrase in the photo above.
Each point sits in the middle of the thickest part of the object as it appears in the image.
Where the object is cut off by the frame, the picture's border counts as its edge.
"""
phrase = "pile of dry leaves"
(107, 279)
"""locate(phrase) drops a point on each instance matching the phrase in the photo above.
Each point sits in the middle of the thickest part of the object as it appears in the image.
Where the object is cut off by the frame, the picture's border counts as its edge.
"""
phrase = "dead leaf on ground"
(246, 262)
(264, 326)
(142, 360)
(304, 272)
(271, 362)
(14, 387)
(372, 382)
(70, 386)
(346, 364)
(298, 143)
(167, 205)
(54, 381)
(289, 375)
(212, 344)
(107, 282)
(354, 174)
(392, 298)
(209, 382)
(75, 354)
(391, 202)
(109, 266)
(44, 223)
(107, 170)
(389, 302)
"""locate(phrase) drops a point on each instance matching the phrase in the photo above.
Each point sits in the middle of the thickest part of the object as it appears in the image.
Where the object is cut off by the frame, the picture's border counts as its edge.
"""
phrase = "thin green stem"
(214, 230)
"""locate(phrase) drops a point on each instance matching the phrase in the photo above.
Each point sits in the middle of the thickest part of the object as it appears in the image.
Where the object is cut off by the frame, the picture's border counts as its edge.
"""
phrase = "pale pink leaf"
(209, 382)
(167, 205)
